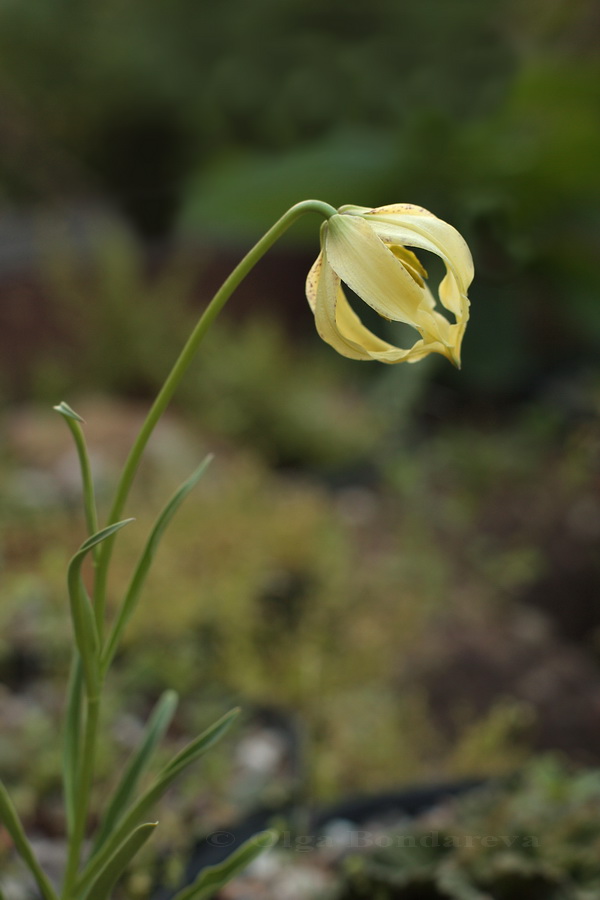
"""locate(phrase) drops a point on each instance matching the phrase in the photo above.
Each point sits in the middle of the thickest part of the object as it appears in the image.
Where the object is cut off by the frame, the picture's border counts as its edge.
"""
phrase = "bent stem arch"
(176, 374)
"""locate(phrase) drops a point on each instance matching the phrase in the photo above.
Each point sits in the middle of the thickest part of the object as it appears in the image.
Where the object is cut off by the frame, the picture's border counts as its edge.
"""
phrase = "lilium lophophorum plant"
(368, 249)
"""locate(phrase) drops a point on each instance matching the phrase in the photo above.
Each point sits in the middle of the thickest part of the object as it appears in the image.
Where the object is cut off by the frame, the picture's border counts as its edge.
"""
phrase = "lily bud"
(368, 250)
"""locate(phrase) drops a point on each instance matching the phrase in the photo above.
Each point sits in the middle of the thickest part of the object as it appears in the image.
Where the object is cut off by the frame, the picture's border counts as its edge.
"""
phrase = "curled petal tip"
(454, 357)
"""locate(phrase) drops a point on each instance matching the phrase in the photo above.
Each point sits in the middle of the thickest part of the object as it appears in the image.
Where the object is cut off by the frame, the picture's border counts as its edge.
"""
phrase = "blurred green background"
(200, 124)
(403, 559)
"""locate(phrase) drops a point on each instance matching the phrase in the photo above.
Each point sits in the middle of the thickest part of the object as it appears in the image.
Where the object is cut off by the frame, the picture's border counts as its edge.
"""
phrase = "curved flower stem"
(177, 372)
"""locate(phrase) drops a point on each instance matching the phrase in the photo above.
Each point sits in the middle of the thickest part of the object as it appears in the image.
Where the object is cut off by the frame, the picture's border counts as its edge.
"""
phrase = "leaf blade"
(102, 535)
(203, 743)
(156, 727)
(68, 412)
(82, 613)
(213, 878)
(199, 745)
(10, 818)
(143, 567)
(101, 887)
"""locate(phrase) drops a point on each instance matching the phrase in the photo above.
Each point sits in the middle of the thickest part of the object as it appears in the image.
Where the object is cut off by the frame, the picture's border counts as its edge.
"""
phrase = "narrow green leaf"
(74, 422)
(116, 865)
(10, 818)
(143, 566)
(72, 742)
(65, 410)
(199, 746)
(101, 536)
(157, 725)
(188, 755)
(174, 503)
(213, 878)
(86, 634)
(82, 614)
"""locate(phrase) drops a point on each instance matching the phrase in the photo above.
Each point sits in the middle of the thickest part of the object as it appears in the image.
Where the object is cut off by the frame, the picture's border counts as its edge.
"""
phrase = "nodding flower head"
(370, 250)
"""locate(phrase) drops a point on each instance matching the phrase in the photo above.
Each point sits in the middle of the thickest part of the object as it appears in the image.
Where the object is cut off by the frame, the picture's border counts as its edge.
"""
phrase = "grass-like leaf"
(212, 879)
(74, 422)
(11, 821)
(65, 410)
(165, 778)
(82, 614)
(143, 566)
(158, 723)
(101, 888)
(198, 746)
(99, 537)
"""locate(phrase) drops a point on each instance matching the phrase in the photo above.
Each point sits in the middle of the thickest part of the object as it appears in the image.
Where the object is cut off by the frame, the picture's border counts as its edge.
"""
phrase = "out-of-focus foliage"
(196, 118)
(328, 598)
(146, 90)
(537, 837)
(342, 589)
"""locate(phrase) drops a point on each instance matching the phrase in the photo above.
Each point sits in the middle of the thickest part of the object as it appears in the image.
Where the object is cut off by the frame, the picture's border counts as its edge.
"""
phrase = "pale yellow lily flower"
(367, 249)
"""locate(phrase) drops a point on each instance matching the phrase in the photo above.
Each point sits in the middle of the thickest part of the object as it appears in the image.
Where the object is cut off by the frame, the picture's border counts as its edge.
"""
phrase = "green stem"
(72, 738)
(88, 753)
(177, 372)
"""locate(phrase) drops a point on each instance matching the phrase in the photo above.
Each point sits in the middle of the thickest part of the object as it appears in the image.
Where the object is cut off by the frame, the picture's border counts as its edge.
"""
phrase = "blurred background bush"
(403, 559)
(198, 124)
